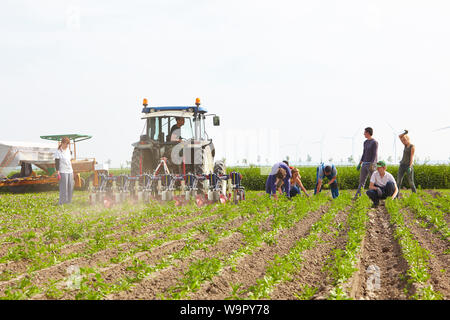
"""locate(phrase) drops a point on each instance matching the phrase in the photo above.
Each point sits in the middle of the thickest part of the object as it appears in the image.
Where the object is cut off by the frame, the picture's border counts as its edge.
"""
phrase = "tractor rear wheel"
(136, 162)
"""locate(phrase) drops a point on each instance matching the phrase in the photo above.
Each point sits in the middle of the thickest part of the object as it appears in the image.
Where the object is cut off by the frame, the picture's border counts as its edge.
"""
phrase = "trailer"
(41, 155)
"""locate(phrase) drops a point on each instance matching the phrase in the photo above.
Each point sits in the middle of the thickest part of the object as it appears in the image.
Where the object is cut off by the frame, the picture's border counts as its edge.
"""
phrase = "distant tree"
(350, 159)
(330, 160)
(308, 158)
(299, 160)
(108, 162)
(389, 159)
(258, 159)
(244, 161)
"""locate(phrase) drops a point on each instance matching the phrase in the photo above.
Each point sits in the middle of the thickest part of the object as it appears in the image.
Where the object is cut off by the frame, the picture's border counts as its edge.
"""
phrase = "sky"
(288, 78)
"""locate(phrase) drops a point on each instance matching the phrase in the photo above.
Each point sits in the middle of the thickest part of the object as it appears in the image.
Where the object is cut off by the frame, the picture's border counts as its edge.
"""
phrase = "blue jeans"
(294, 191)
(333, 187)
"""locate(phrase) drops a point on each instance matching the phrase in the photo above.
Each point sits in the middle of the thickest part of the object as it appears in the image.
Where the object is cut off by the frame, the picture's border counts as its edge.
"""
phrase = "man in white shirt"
(382, 185)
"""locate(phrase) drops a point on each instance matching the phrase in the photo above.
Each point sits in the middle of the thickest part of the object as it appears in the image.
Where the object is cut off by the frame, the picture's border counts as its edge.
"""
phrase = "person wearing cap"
(406, 164)
(279, 177)
(329, 171)
(367, 164)
(382, 185)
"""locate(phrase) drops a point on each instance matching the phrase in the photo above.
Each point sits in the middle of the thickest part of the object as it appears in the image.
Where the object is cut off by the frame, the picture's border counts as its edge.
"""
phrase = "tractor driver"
(175, 131)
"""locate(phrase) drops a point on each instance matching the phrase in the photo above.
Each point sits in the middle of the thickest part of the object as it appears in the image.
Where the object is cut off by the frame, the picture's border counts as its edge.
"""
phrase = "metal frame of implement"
(147, 187)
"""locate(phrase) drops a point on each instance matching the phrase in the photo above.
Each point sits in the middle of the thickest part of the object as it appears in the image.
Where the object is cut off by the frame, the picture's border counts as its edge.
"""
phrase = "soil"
(112, 272)
(311, 273)
(159, 282)
(60, 270)
(380, 252)
(252, 267)
(439, 263)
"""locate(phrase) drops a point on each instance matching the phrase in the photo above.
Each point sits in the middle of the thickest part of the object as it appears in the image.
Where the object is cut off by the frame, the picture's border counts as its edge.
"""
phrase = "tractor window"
(165, 128)
(186, 130)
(153, 127)
(201, 126)
(158, 128)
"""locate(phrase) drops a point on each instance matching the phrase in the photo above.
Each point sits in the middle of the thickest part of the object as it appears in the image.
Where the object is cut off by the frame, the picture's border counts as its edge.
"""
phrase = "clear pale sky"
(282, 75)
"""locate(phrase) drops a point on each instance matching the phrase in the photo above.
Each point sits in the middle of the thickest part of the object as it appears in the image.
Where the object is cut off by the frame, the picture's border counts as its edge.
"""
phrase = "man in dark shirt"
(175, 131)
(368, 161)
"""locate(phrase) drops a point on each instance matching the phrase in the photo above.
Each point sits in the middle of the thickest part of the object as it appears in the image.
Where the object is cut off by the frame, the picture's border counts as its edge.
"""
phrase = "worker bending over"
(329, 171)
(296, 183)
(279, 177)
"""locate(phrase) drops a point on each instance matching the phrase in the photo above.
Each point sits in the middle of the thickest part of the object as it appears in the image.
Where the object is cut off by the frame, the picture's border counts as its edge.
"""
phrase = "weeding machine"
(173, 160)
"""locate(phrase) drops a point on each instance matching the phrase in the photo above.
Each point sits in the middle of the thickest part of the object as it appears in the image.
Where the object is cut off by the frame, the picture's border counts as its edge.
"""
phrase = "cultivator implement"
(181, 188)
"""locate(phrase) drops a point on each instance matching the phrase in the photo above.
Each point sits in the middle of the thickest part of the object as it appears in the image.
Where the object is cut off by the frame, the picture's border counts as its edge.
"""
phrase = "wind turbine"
(442, 129)
(321, 146)
(395, 141)
(353, 141)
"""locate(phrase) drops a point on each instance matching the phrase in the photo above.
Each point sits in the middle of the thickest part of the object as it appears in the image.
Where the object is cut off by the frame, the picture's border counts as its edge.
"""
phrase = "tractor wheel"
(136, 162)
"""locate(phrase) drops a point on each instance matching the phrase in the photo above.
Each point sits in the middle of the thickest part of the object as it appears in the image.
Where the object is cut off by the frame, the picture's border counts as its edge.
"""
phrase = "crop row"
(416, 256)
(203, 228)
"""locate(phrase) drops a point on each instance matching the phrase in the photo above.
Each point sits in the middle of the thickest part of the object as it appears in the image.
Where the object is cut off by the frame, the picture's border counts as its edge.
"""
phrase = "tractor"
(192, 151)
(173, 160)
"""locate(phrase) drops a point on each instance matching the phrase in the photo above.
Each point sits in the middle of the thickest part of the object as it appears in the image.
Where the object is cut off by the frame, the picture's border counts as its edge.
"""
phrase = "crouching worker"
(296, 183)
(278, 177)
(329, 171)
(382, 185)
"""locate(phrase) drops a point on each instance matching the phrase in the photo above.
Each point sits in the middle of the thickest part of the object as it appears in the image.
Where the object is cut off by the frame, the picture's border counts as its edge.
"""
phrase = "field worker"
(63, 165)
(382, 185)
(406, 164)
(329, 171)
(175, 131)
(368, 161)
(279, 177)
(296, 183)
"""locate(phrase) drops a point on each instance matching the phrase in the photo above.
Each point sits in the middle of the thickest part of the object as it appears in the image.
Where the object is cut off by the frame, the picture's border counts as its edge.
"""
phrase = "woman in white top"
(63, 165)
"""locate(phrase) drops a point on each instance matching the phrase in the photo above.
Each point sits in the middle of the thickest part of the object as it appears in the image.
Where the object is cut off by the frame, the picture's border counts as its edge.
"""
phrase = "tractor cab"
(178, 134)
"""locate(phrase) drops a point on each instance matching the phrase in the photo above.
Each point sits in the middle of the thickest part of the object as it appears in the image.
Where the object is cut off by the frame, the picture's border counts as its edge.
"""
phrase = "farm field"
(307, 248)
